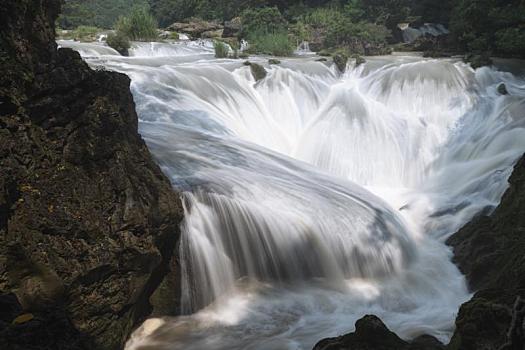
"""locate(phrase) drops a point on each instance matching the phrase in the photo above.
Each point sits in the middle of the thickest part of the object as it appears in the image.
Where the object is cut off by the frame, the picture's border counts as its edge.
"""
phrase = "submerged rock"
(258, 71)
(273, 61)
(502, 89)
(359, 60)
(88, 222)
(340, 61)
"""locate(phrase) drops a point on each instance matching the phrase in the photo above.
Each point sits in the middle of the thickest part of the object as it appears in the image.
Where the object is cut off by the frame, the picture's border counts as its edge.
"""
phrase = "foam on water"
(312, 198)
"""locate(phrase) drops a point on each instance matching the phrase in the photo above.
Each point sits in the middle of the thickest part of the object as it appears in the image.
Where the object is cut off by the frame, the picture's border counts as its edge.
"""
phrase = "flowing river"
(312, 197)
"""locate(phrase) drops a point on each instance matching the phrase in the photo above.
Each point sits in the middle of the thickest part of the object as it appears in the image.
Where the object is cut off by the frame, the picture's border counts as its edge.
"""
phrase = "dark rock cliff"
(490, 251)
(88, 222)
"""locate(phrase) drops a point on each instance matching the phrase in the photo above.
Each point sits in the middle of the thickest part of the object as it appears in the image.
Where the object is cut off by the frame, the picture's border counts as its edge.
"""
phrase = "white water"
(312, 198)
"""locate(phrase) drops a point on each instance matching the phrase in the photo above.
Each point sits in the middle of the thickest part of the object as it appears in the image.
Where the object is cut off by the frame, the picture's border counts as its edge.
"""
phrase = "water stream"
(312, 197)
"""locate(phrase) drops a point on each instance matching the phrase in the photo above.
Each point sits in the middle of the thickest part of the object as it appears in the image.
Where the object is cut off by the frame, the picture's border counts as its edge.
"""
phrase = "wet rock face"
(490, 251)
(88, 222)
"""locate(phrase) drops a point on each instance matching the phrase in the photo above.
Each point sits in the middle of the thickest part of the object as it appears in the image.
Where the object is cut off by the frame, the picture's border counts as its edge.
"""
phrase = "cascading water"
(313, 198)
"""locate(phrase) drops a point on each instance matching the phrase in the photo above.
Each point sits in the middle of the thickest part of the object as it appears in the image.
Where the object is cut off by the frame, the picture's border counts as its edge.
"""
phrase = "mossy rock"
(273, 61)
(502, 89)
(340, 60)
(479, 60)
(325, 53)
(258, 71)
(322, 59)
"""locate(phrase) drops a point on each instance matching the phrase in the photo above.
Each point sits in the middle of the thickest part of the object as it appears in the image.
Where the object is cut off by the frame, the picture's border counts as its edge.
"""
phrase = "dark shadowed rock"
(502, 89)
(88, 222)
(340, 61)
(490, 251)
(258, 71)
(372, 334)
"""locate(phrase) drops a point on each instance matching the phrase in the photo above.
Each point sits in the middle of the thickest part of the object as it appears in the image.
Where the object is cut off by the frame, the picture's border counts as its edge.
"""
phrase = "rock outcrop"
(372, 334)
(490, 251)
(88, 222)
(197, 28)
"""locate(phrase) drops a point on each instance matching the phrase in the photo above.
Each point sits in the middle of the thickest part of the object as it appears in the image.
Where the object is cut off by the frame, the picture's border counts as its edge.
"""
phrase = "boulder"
(258, 71)
(502, 89)
(490, 251)
(340, 61)
(372, 334)
(88, 222)
(212, 34)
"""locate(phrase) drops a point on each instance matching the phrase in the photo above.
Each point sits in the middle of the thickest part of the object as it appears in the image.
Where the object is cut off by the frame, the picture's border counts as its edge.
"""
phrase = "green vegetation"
(119, 42)
(97, 13)
(169, 11)
(276, 43)
(139, 25)
(266, 30)
(491, 26)
(478, 27)
(221, 49)
(82, 33)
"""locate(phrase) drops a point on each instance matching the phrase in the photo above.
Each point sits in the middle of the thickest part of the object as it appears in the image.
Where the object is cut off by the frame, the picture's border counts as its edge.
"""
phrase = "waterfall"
(303, 48)
(312, 198)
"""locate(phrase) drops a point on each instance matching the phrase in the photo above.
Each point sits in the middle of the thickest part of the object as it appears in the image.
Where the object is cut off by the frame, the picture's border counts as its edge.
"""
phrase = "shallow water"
(313, 198)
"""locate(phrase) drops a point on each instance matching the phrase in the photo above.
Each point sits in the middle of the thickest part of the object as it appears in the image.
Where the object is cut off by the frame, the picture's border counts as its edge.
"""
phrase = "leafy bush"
(139, 25)
(356, 35)
(119, 42)
(276, 43)
(97, 13)
(485, 26)
(511, 41)
(323, 17)
(81, 33)
(260, 21)
(221, 49)
(301, 31)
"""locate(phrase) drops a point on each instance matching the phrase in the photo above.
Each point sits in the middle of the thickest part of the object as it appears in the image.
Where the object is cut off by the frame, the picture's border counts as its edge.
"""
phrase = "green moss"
(119, 42)
(340, 60)
(258, 71)
(221, 49)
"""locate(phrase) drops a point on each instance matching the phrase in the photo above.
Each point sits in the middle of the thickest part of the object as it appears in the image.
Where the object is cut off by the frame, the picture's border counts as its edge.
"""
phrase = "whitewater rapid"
(312, 197)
